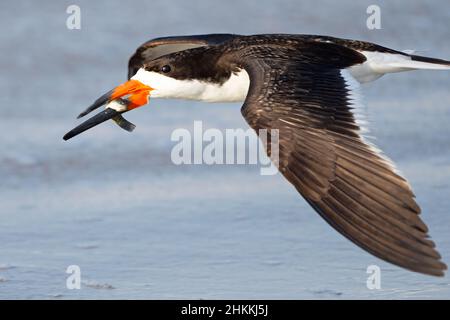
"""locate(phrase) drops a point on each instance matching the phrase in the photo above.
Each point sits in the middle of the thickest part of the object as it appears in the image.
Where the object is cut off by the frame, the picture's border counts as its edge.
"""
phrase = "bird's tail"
(380, 63)
(413, 62)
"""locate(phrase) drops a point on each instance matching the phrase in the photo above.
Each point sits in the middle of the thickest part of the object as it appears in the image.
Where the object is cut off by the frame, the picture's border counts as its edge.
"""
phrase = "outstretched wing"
(158, 47)
(305, 91)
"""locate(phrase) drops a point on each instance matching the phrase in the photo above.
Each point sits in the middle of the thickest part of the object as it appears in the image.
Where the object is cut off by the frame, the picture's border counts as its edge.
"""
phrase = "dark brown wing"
(304, 91)
(158, 47)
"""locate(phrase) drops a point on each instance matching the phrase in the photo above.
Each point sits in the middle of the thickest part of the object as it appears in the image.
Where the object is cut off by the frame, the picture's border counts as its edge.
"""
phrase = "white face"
(233, 90)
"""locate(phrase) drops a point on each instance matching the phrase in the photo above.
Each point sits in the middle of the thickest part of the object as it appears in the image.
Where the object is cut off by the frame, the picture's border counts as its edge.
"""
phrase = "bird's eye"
(166, 68)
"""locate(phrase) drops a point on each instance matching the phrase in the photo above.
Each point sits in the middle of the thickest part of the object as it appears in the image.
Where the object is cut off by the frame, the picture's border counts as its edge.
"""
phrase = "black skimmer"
(306, 87)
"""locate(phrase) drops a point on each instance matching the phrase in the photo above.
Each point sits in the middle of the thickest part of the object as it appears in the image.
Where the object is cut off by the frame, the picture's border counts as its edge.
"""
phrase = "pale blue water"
(139, 226)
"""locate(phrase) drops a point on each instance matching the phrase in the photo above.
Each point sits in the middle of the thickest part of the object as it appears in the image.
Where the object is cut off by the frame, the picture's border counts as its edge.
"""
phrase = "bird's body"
(307, 88)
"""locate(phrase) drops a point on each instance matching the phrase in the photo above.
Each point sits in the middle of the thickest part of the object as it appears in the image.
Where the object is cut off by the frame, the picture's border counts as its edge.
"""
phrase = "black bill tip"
(92, 122)
(124, 123)
(98, 103)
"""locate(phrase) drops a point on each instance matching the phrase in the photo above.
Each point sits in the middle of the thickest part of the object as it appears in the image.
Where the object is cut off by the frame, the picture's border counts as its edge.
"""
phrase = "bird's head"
(191, 74)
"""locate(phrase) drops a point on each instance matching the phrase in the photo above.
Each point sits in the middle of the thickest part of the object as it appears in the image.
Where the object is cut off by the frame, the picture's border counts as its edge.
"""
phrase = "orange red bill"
(132, 94)
(136, 92)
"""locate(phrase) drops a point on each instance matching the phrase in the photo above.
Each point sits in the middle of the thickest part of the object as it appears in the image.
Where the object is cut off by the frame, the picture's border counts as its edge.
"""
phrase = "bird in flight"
(307, 88)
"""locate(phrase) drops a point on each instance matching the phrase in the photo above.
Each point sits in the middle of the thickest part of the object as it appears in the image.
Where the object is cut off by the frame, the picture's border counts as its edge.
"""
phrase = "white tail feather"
(380, 63)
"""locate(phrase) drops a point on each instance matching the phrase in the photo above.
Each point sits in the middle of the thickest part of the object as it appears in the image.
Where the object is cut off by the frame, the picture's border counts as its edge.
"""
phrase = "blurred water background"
(139, 226)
